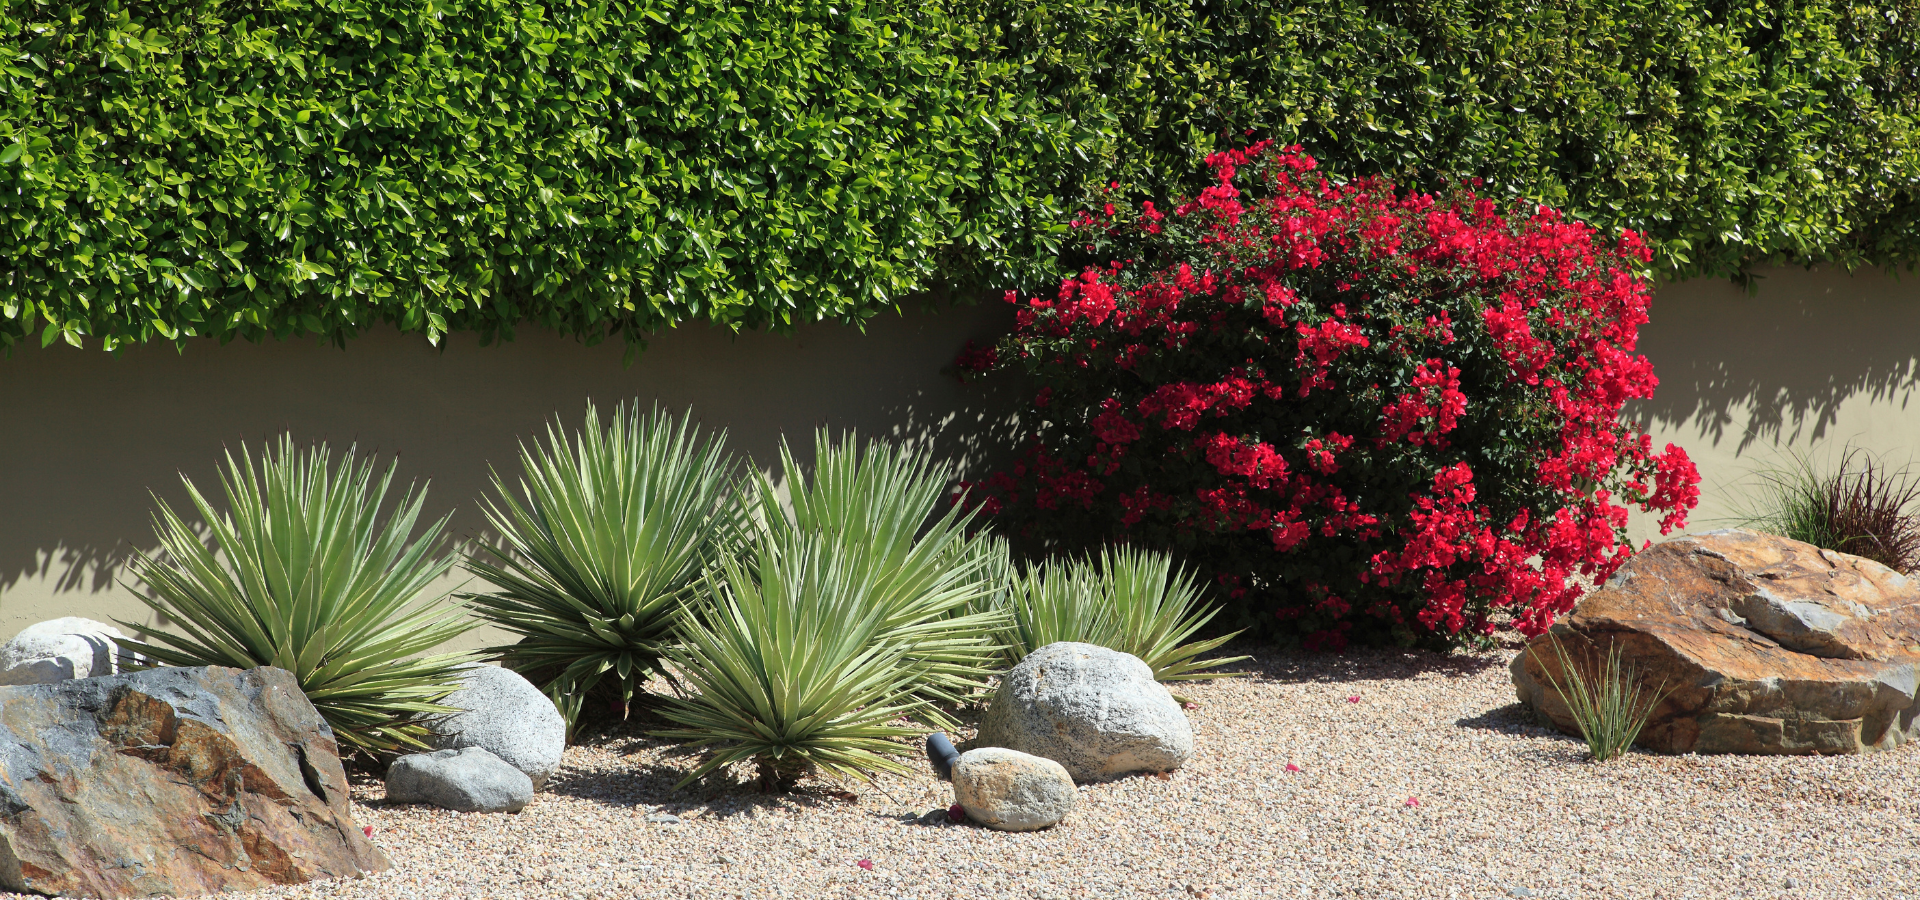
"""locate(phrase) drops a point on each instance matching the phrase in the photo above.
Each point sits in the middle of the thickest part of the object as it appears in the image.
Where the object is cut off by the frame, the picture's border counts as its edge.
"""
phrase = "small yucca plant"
(603, 547)
(1610, 706)
(876, 508)
(855, 604)
(792, 668)
(1130, 600)
(304, 576)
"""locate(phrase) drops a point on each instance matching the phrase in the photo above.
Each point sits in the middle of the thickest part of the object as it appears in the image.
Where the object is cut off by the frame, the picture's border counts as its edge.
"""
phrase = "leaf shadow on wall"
(91, 434)
(1747, 372)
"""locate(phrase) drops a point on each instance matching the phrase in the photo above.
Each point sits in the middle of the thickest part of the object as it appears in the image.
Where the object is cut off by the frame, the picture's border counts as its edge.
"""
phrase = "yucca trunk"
(779, 774)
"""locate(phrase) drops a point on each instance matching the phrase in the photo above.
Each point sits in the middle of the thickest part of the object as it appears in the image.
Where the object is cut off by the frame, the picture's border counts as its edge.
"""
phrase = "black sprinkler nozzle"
(940, 752)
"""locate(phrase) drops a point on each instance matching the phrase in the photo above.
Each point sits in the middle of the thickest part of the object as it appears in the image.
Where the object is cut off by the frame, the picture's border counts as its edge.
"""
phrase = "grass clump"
(303, 575)
(1861, 507)
(1610, 706)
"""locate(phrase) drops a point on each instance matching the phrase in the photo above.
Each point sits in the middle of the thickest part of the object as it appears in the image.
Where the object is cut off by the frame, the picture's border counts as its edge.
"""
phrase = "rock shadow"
(1358, 664)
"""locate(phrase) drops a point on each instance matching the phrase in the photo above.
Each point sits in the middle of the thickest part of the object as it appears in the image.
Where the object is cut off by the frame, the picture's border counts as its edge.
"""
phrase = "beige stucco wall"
(88, 435)
(1811, 361)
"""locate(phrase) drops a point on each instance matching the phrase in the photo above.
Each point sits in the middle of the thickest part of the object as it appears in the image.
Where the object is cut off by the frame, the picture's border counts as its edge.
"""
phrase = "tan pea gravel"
(1504, 809)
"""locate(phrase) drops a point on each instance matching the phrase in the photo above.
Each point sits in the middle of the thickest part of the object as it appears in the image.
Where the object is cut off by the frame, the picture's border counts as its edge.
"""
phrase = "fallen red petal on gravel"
(866, 864)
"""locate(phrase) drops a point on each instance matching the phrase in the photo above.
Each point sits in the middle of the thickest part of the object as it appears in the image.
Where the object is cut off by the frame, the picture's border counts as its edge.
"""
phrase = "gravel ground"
(1418, 777)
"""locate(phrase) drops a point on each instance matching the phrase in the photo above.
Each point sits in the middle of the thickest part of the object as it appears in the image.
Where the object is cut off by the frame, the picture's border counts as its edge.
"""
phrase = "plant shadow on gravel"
(1361, 663)
(649, 783)
(1516, 720)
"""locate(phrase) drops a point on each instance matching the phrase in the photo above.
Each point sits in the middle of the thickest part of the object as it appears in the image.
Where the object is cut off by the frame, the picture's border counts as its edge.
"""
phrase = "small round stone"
(1008, 790)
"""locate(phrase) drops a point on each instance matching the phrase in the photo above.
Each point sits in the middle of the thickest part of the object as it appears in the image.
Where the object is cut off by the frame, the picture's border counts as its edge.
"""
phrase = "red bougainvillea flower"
(866, 864)
(368, 829)
(1413, 801)
(1292, 768)
(1367, 414)
(956, 813)
(1353, 699)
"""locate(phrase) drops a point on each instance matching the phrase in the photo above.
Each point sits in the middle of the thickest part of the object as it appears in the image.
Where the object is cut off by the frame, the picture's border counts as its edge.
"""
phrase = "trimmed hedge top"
(277, 167)
(255, 168)
(1732, 132)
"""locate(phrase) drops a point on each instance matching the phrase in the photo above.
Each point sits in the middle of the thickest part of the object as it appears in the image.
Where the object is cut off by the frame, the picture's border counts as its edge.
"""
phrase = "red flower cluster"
(1377, 415)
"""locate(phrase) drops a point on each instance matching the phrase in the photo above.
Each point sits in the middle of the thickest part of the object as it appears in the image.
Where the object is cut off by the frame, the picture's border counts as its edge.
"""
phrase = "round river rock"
(1095, 711)
(1012, 791)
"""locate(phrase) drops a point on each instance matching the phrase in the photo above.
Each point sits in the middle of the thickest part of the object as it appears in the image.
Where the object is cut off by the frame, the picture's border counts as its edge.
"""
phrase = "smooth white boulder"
(506, 716)
(59, 649)
(469, 780)
(1008, 790)
(1096, 711)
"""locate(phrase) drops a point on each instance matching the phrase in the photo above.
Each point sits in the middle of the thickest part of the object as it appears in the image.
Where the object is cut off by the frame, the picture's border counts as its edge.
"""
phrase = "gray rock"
(467, 780)
(660, 818)
(177, 781)
(506, 716)
(1096, 711)
(59, 649)
(1012, 791)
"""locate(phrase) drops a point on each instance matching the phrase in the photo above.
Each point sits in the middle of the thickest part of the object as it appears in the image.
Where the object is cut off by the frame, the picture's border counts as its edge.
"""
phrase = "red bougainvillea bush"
(1370, 415)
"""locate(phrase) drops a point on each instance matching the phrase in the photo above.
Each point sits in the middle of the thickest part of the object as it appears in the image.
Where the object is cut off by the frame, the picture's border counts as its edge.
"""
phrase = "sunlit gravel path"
(1431, 784)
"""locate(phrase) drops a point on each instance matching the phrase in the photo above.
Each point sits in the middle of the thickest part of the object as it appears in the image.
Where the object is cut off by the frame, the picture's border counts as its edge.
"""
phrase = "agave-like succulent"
(789, 669)
(855, 604)
(302, 575)
(877, 508)
(604, 547)
(1131, 600)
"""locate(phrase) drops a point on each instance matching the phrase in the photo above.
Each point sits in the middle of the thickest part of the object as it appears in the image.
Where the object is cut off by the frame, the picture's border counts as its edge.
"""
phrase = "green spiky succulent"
(1130, 600)
(603, 547)
(301, 574)
(857, 605)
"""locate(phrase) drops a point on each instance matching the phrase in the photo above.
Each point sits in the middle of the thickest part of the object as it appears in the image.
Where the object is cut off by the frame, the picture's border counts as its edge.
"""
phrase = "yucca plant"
(1610, 706)
(877, 510)
(303, 575)
(603, 547)
(1130, 600)
(792, 668)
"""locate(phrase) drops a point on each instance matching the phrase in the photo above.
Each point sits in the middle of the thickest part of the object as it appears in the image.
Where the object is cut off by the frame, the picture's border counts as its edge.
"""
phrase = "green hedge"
(273, 167)
(1733, 133)
(260, 168)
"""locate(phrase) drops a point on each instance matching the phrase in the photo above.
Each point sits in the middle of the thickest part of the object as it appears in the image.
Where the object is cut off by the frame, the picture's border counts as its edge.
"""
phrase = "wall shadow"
(1778, 366)
(92, 437)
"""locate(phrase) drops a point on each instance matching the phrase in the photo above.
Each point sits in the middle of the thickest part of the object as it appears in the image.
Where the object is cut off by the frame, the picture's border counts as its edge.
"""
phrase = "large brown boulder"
(179, 781)
(1768, 646)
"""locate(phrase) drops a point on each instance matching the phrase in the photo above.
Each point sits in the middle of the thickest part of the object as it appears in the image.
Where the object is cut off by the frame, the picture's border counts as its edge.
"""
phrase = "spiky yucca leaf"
(603, 548)
(1155, 607)
(789, 669)
(877, 509)
(1057, 601)
(1133, 601)
(303, 576)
